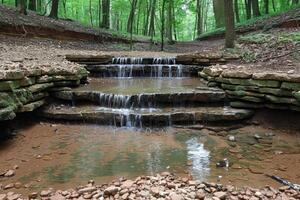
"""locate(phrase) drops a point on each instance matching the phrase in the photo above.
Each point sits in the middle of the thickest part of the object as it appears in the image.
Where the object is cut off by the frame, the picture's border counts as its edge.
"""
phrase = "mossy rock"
(247, 98)
(297, 95)
(282, 100)
(242, 93)
(248, 82)
(291, 86)
(7, 114)
(241, 104)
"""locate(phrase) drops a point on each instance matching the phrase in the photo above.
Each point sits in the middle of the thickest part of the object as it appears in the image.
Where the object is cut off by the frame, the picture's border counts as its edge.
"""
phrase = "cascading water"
(158, 67)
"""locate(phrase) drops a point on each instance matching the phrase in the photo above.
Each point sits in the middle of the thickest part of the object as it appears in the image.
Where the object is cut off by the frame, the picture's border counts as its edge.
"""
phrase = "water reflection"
(200, 159)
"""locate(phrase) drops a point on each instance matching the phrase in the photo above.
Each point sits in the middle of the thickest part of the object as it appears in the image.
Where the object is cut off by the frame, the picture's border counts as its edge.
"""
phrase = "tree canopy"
(182, 19)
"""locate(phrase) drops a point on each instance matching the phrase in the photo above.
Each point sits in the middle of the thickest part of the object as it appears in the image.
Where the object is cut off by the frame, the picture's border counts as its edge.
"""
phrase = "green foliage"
(88, 13)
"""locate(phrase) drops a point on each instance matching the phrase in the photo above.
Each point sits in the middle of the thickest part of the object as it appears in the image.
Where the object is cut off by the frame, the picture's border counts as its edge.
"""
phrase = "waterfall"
(158, 67)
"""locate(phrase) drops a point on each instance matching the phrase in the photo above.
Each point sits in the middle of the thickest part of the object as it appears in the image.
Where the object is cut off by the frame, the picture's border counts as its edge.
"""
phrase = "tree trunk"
(131, 16)
(162, 24)
(273, 5)
(236, 8)
(22, 4)
(266, 4)
(199, 21)
(170, 22)
(54, 9)
(248, 6)
(105, 14)
(152, 20)
(255, 8)
(218, 6)
(32, 5)
(91, 13)
(229, 24)
(146, 20)
(99, 13)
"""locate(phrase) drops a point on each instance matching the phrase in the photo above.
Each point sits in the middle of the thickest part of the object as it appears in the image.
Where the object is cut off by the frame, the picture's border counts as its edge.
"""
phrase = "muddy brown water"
(63, 156)
(130, 86)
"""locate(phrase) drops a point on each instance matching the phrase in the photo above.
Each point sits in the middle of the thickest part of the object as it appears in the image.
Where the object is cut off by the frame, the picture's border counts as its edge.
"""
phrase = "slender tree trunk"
(105, 14)
(152, 20)
(273, 5)
(255, 8)
(229, 24)
(54, 9)
(146, 20)
(236, 10)
(32, 5)
(91, 13)
(131, 16)
(99, 13)
(199, 21)
(218, 6)
(248, 6)
(174, 22)
(22, 4)
(170, 22)
(266, 4)
(163, 24)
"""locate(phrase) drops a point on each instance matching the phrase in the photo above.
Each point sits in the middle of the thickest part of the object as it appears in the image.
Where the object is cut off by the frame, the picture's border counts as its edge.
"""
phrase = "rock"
(33, 195)
(9, 173)
(18, 185)
(200, 194)
(223, 163)
(284, 188)
(45, 193)
(87, 190)
(3, 196)
(112, 190)
(231, 138)
(174, 196)
(220, 195)
(155, 191)
(127, 184)
(13, 196)
(8, 186)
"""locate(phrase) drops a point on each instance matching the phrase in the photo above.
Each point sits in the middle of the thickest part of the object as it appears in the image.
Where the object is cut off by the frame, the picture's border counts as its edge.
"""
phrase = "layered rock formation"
(248, 88)
(24, 88)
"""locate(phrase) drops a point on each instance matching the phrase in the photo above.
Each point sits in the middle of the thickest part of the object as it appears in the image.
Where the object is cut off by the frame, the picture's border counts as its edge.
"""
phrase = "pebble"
(159, 187)
(9, 173)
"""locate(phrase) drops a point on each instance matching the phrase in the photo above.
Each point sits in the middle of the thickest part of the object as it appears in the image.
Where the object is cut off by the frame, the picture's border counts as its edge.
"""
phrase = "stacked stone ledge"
(206, 58)
(25, 88)
(247, 88)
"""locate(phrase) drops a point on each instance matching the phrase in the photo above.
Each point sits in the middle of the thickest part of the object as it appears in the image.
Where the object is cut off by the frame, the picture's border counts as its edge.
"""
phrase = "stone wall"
(23, 89)
(204, 58)
(250, 88)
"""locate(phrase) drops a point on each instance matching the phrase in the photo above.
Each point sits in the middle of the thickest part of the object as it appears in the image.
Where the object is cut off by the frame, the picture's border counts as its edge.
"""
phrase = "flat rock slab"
(151, 116)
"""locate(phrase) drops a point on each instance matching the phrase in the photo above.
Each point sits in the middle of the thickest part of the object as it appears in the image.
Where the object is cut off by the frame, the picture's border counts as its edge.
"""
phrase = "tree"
(105, 14)
(22, 4)
(295, 2)
(152, 19)
(255, 8)
(32, 5)
(199, 19)
(170, 22)
(162, 23)
(229, 24)
(218, 6)
(248, 7)
(54, 9)
(236, 10)
(266, 4)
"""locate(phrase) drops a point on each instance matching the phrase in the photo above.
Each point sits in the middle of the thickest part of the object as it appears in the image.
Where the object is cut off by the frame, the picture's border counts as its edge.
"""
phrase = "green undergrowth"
(261, 38)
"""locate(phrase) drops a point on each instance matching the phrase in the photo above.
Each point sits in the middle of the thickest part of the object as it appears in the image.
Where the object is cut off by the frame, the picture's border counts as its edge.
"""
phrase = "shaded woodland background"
(180, 20)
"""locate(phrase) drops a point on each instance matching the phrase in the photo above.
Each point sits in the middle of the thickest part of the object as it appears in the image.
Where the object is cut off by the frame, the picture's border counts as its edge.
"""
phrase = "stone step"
(144, 117)
(175, 99)
(148, 70)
